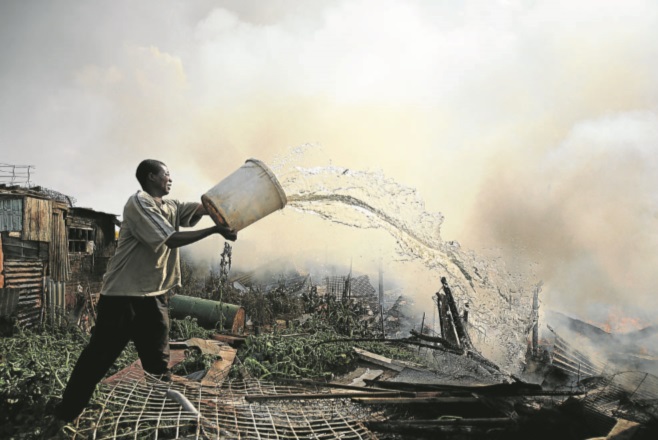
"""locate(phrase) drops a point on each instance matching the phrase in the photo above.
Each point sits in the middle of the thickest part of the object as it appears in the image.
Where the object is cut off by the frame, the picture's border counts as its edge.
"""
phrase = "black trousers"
(144, 320)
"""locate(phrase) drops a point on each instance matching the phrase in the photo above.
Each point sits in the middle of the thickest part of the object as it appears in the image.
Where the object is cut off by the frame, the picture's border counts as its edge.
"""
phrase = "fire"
(617, 322)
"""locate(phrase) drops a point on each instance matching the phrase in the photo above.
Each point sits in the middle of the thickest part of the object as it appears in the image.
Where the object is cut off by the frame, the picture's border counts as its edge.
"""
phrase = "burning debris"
(320, 379)
(332, 376)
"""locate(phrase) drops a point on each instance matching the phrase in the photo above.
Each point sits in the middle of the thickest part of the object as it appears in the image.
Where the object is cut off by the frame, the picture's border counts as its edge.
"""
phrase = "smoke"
(529, 124)
(586, 213)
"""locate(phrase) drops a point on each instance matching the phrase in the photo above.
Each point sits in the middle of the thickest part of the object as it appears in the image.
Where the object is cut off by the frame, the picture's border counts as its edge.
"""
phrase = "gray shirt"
(143, 264)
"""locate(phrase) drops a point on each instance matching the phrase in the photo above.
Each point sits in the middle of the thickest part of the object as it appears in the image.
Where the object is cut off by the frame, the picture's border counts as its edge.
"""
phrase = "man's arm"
(178, 239)
(200, 212)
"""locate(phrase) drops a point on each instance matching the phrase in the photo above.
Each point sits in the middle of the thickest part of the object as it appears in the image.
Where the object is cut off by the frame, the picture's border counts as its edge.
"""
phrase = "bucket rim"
(275, 181)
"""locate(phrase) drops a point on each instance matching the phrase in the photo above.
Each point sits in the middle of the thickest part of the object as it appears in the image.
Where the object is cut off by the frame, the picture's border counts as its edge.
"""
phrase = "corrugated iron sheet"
(8, 301)
(55, 296)
(11, 214)
(27, 277)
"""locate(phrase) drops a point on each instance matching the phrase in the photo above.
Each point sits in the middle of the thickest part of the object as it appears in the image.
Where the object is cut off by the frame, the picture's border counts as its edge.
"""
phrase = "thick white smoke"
(528, 124)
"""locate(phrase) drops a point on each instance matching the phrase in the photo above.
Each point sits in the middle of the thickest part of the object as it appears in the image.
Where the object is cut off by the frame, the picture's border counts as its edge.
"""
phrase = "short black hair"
(146, 167)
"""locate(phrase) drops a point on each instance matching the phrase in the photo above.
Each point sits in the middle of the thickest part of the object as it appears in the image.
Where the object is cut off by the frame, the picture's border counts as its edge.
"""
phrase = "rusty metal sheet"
(135, 370)
(37, 219)
(26, 276)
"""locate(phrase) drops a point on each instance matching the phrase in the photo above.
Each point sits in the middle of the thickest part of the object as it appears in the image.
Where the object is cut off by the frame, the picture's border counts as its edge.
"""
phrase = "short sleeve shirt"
(143, 264)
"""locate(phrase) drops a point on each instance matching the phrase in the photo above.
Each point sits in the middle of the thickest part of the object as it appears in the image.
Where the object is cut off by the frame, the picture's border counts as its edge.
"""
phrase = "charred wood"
(438, 340)
(464, 339)
(330, 385)
(452, 400)
(398, 340)
(445, 428)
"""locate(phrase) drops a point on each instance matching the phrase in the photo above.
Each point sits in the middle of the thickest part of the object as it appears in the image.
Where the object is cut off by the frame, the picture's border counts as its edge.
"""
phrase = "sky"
(532, 126)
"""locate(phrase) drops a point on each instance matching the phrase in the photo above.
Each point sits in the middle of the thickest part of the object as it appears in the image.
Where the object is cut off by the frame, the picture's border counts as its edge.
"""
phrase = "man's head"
(154, 177)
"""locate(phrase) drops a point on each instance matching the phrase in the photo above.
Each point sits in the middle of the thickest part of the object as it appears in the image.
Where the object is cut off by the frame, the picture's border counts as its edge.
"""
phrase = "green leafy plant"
(35, 365)
(187, 328)
(194, 361)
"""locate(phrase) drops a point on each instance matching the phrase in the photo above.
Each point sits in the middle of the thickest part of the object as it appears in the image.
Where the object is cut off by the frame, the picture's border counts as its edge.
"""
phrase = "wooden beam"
(415, 400)
(432, 426)
(317, 396)
(438, 340)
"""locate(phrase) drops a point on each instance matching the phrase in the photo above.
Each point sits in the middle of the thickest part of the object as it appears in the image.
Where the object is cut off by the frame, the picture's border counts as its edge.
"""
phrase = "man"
(132, 304)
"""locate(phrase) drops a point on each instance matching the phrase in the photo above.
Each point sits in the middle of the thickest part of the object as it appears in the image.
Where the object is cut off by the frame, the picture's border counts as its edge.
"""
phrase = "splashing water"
(500, 303)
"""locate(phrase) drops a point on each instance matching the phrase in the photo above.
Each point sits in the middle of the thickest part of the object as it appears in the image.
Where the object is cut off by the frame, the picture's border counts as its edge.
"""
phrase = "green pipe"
(208, 313)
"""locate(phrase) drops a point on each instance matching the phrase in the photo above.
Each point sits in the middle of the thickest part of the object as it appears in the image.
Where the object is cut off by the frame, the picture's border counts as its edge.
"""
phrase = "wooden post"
(448, 331)
(535, 319)
(381, 284)
(422, 324)
(464, 340)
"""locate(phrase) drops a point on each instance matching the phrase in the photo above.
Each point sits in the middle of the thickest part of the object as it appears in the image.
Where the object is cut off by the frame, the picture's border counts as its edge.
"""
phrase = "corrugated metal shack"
(49, 250)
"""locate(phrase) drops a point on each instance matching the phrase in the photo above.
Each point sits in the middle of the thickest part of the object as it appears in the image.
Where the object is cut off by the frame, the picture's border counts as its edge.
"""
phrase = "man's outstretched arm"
(178, 239)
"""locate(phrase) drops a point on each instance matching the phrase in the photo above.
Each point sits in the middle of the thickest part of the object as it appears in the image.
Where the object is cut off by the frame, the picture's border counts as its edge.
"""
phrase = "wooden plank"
(235, 341)
(37, 219)
(415, 400)
(436, 424)
(334, 385)
(321, 396)
(220, 368)
(377, 359)
(58, 252)
(368, 375)
(437, 339)
(391, 364)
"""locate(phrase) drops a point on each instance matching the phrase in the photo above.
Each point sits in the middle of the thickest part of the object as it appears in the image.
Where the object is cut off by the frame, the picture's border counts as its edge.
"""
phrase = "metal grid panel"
(632, 395)
(139, 406)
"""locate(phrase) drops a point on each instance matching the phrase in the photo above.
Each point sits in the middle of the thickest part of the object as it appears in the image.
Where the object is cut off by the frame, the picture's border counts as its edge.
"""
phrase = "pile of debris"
(455, 393)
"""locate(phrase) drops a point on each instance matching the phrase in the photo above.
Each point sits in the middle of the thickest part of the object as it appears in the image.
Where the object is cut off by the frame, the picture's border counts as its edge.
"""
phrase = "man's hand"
(227, 233)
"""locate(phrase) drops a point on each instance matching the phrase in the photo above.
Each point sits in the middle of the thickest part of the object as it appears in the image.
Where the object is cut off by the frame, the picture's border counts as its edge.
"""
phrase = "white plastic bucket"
(248, 194)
